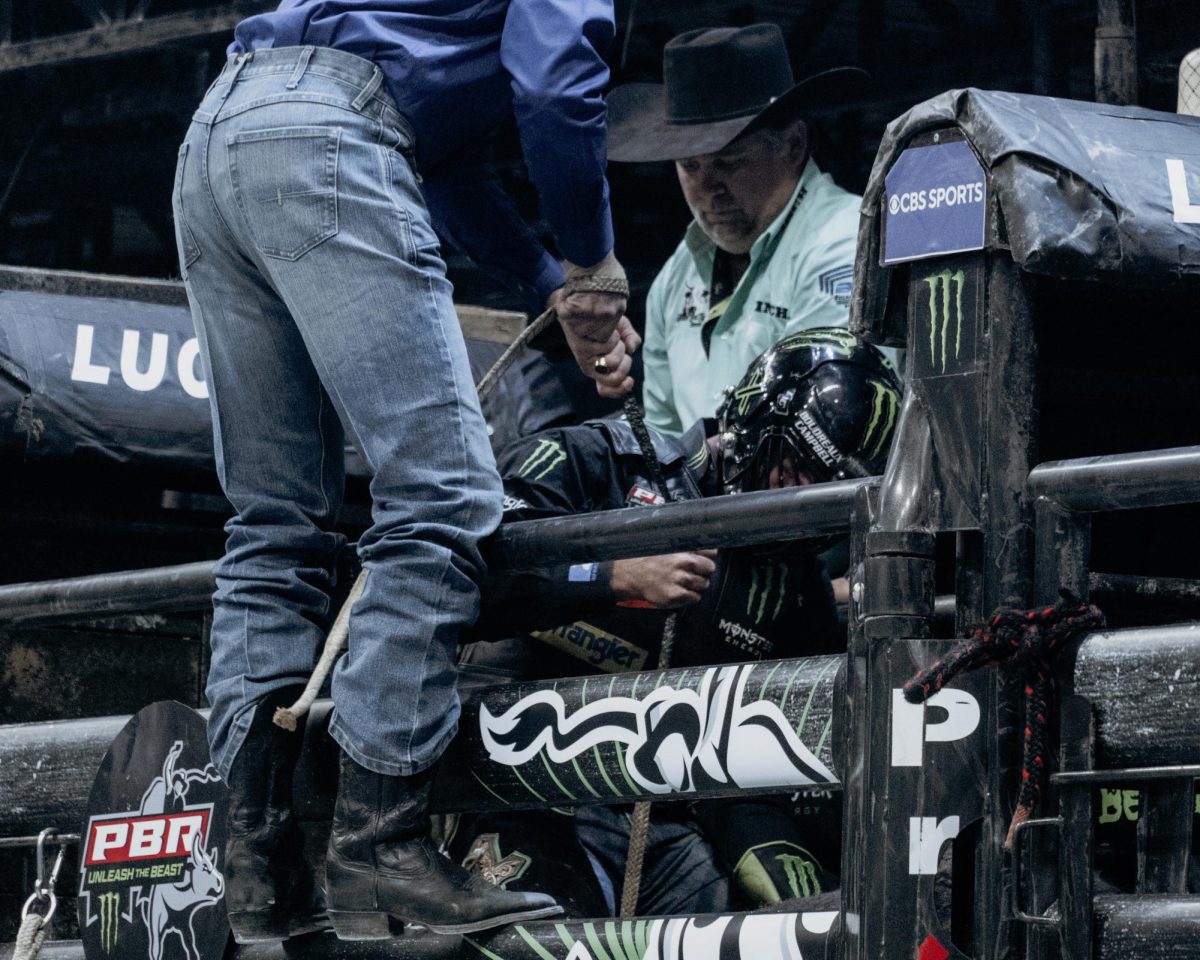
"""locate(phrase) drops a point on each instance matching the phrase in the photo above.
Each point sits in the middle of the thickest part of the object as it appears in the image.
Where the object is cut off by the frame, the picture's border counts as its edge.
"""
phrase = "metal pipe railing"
(188, 586)
(765, 516)
(1091, 484)
(751, 518)
(1126, 481)
(1144, 686)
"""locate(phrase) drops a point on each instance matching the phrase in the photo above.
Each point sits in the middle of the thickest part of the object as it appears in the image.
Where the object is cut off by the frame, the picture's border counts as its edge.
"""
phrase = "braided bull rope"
(1031, 639)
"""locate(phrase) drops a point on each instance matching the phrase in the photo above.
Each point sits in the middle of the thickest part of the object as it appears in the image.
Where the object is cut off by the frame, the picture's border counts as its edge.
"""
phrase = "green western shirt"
(799, 277)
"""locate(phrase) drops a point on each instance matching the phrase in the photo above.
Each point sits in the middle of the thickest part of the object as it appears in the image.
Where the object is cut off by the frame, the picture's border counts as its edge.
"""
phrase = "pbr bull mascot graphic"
(150, 875)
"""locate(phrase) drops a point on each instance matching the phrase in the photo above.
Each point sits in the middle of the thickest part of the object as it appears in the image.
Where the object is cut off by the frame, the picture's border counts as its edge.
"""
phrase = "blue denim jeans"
(321, 304)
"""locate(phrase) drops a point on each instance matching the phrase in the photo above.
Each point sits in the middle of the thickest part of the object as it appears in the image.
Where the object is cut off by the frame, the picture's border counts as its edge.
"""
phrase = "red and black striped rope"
(1031, 639)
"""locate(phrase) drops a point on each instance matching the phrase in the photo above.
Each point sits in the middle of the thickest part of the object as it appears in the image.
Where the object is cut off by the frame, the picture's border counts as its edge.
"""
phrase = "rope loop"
(28, 912)
(1030, 639)
(592, 283)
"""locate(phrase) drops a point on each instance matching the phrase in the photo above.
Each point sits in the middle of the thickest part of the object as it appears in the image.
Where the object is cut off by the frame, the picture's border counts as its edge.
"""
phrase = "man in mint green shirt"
(770, 250)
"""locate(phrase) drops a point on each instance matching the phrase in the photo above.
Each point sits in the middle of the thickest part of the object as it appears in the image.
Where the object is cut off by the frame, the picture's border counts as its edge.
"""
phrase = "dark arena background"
(95, 96)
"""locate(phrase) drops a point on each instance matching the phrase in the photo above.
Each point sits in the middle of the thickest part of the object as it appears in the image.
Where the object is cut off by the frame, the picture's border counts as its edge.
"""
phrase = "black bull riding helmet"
(819, 399)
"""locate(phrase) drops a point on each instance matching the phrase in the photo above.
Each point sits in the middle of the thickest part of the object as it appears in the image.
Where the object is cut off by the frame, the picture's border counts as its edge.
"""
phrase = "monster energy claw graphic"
(547, 455)
(884, 405)
(110, 915)
(767, 580)
(945, 303)
(838, 340)
(801, 874)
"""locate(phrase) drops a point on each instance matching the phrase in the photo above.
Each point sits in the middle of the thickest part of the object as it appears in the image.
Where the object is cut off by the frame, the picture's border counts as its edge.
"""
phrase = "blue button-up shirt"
(456, 68)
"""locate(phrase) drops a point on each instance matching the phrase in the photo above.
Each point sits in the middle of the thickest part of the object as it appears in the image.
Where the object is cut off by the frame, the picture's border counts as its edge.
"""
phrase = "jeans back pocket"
(285, 183)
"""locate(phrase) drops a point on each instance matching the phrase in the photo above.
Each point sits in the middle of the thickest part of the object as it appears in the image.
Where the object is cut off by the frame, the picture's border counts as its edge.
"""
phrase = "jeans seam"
(406, 235)
(189, 249)
(324, 454)
(429, 648)
(212, 197)
(473, 502)
(237, 734)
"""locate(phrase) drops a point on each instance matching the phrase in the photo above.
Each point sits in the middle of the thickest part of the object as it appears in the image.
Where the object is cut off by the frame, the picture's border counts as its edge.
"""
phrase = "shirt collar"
(704, 250)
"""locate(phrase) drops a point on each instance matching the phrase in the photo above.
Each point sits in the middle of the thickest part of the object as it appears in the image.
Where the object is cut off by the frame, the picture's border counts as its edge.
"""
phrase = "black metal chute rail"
(1127, 481)
(738, 521)
(1069, 488)
(1102, 745)
(746, 519)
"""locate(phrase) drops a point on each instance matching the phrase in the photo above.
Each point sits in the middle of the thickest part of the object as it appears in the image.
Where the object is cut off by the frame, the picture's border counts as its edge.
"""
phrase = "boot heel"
(359, 926)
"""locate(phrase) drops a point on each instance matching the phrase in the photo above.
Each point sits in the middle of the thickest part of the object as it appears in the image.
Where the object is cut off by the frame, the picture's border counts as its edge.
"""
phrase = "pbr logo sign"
(150, 885)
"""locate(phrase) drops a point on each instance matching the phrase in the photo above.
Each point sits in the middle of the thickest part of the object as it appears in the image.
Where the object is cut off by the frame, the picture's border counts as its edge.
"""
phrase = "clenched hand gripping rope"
(289, 717)
(1030, 638)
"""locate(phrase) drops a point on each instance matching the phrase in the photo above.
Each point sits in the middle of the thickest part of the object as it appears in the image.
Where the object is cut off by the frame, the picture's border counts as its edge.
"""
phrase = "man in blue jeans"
(321, 304)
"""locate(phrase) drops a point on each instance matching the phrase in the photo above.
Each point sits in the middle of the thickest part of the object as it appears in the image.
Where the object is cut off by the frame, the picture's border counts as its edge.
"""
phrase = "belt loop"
(369, 90)
(239, 61)
(301, 65)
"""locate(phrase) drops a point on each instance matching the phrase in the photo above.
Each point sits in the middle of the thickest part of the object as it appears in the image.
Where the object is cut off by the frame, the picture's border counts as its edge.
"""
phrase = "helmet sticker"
(818, 441)
(746, 391)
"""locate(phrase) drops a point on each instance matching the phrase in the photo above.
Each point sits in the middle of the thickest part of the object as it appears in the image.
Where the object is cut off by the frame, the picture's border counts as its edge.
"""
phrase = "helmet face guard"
(816, 407)
(762, 457)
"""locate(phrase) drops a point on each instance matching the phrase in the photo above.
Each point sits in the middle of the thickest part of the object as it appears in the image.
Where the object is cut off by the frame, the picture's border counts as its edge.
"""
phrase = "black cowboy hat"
(718, 83)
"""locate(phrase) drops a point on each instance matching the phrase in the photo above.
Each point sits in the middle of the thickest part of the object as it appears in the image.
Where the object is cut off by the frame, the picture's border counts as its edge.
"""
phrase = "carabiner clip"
(43, 889)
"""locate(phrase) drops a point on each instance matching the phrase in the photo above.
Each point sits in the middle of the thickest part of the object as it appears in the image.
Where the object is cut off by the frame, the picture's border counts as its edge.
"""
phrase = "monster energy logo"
(943, 286)
(801, 875)
(547, 455)
(748, 391)
(769, 573)
(884, 405)
(110, 918)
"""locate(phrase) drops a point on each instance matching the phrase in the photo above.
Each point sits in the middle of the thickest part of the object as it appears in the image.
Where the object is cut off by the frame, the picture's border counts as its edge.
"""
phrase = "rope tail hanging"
(289, 717)
(30, 936)
(639, 823)
(1031, 639)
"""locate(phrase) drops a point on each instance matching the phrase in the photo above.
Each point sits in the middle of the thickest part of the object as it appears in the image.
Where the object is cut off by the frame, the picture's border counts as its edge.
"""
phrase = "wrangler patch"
(610, 653)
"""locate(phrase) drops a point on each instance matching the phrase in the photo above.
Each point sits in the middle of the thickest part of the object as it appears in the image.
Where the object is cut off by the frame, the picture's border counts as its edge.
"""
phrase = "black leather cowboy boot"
(381, 862)
(266, 883)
